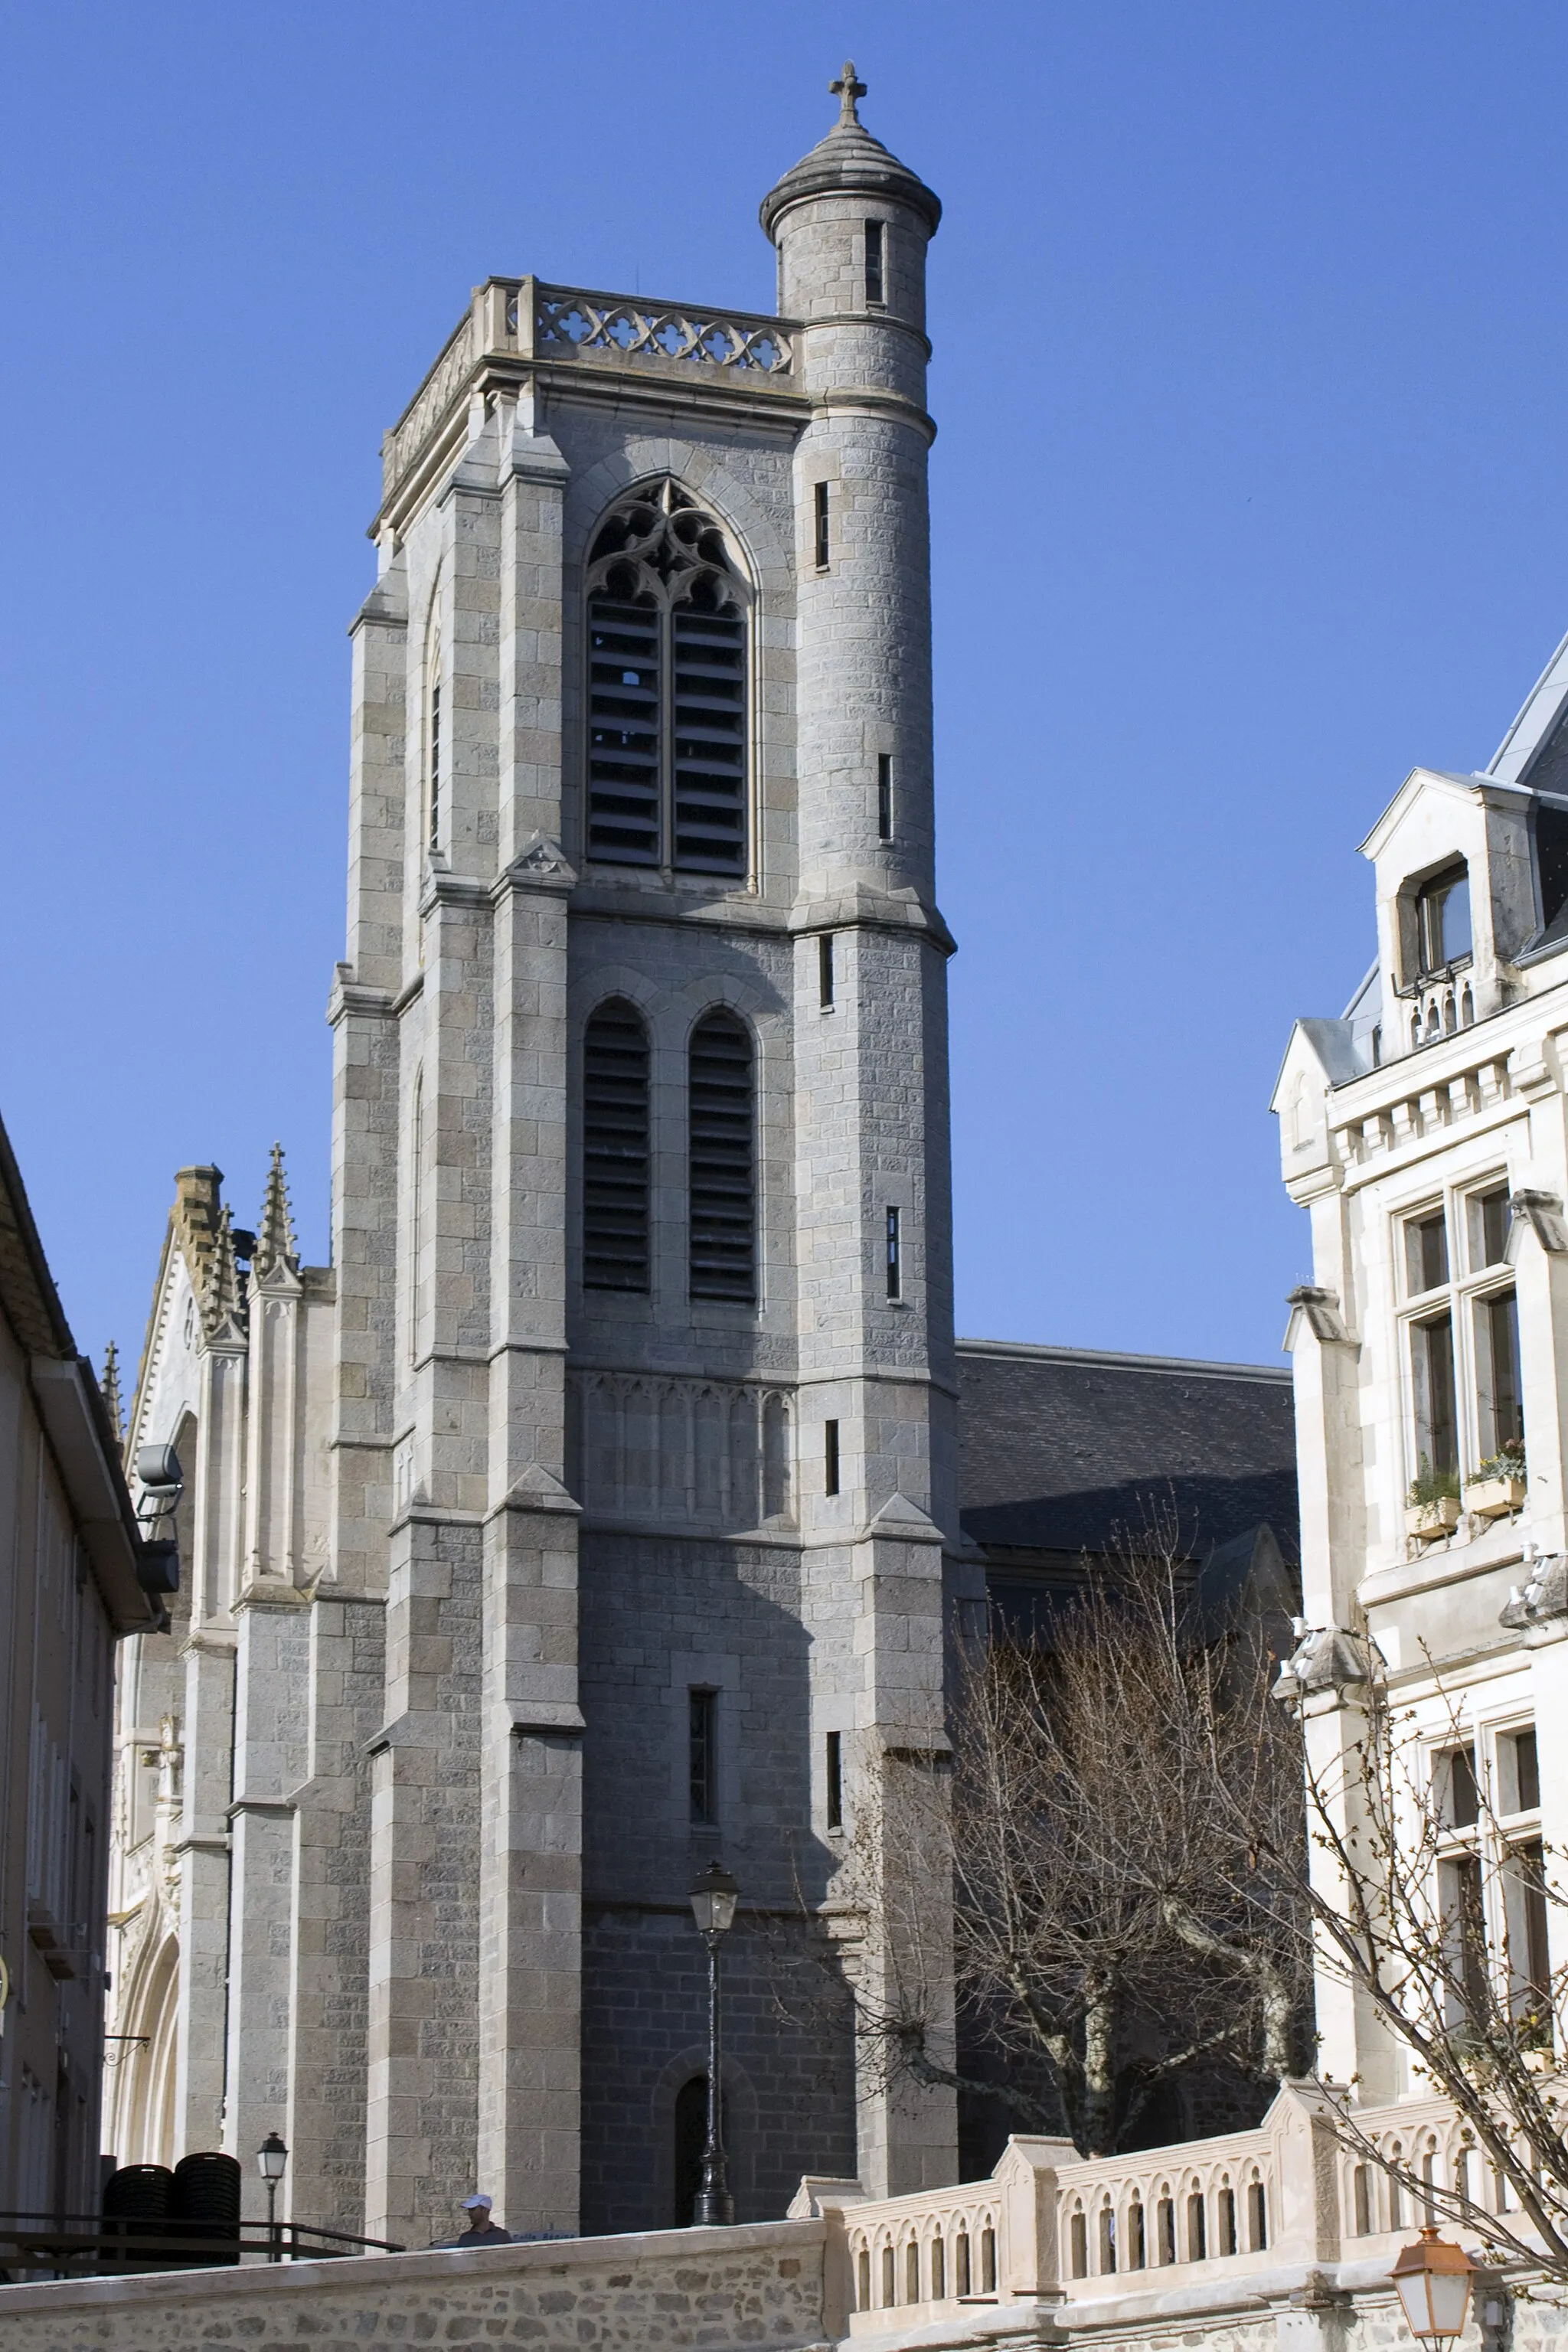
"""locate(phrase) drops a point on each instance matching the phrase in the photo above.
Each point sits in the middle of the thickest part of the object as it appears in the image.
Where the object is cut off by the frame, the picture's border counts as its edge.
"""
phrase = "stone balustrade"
(1207, 2218)
(1428, 1109)
(523, 320)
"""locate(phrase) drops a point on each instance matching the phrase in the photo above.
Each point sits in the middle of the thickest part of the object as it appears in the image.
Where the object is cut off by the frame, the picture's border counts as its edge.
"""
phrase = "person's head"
(477, 2208)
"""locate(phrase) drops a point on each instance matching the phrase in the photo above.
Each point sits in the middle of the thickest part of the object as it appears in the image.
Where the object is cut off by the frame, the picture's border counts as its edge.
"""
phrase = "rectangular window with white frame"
(1491, 1876)
(1459, 1316)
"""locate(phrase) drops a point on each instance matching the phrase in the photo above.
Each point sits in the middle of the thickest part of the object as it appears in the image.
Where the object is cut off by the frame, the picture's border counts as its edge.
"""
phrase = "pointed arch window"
(614, 1150)
(722, 1189)
(436, 751)
(668, 702)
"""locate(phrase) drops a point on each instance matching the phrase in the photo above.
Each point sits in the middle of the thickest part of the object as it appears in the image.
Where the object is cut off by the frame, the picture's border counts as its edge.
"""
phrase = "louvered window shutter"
(615, 1151)
(720, 1184)
(624, 730)
(709, 740)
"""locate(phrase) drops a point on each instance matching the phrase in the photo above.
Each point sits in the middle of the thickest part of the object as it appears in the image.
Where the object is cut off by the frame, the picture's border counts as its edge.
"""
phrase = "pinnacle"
(275, 1244)
(221, 1301)
(109, 1381)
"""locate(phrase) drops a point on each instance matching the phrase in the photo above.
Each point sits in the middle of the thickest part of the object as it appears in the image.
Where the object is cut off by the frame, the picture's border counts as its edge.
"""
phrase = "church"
(608, 1505)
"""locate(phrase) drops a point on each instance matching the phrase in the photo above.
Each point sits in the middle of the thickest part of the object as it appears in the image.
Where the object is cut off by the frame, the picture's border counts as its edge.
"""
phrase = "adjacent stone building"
(598, 1510)
(71, 1563)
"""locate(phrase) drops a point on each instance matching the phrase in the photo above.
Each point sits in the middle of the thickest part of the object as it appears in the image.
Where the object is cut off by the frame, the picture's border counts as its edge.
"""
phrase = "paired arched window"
(721, 1164)
(614, 1150)
(668, 697)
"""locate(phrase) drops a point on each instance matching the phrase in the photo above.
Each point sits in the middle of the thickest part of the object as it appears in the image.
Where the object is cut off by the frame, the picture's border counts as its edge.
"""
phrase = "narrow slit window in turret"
(873, 261)
(615, 1151)
(668, 724)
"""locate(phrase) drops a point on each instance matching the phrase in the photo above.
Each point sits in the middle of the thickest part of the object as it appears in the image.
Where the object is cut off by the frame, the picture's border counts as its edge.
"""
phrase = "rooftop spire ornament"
(847, 90)
(110, 1384)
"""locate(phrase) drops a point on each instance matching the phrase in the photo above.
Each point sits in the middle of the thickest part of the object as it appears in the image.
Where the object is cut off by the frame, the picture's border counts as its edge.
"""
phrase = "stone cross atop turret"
(847, 90)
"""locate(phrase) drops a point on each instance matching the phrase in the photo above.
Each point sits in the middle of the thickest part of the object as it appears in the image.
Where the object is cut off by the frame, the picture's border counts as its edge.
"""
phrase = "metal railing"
(86, 2245)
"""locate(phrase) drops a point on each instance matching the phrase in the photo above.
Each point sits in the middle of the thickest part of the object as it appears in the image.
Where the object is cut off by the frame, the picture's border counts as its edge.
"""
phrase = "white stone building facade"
(590, 1515)
(1427, 1134)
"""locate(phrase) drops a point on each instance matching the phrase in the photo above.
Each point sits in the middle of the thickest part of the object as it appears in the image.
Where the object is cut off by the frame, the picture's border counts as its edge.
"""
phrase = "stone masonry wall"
(760, 2288)
(660, 1618)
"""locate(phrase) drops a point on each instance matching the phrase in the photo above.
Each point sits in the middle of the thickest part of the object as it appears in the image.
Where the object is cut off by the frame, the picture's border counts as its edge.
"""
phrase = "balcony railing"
(1053, 2228)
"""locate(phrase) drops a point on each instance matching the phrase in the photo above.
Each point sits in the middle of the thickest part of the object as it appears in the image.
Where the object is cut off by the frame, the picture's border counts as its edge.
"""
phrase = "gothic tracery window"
(667, 707)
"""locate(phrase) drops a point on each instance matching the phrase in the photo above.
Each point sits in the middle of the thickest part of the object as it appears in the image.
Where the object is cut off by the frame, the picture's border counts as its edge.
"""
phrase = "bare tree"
(1114, 1920)
(1420, 1900)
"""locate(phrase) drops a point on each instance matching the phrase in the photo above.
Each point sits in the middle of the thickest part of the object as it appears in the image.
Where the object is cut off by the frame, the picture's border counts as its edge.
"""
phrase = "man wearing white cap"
(481, 2230)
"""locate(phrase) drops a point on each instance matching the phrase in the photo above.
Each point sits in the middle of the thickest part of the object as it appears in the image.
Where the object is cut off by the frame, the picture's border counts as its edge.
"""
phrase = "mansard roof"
(1535, 749)
(1060, 1448)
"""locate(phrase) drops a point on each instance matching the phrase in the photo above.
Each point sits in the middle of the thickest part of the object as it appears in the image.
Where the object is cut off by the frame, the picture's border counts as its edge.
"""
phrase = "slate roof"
(1059, 1446)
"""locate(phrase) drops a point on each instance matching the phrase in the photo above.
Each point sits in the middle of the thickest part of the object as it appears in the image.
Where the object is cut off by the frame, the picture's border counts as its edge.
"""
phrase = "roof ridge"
(1122, 1360)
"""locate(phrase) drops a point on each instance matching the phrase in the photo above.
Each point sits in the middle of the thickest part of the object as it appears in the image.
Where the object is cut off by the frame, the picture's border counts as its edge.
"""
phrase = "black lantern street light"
(272, 2155)
(1434, 2280)
(713, 1908)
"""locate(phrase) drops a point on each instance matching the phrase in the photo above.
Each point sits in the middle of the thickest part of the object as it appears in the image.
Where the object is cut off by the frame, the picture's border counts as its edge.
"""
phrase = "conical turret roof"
(849, 158)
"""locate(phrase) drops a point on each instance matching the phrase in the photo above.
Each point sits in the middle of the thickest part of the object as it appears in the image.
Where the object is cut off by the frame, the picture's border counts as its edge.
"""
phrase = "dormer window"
(1443, 920)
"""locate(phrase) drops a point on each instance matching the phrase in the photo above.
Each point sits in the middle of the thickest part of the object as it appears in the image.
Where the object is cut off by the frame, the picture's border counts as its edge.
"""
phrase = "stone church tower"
(586, 1520)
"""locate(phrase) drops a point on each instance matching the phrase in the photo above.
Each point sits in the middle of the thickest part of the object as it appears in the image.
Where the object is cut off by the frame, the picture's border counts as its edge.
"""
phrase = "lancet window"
(668, 697)
(615, 1150)
(720, 1183)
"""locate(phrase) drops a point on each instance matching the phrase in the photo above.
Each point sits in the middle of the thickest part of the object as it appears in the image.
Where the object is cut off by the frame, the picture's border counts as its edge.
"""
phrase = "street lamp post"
(272, 2155)
(1434, 2280)
(713, 1908)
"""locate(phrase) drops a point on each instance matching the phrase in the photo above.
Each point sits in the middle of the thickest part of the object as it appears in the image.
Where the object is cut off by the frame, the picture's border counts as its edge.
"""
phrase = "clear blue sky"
(1249, 494)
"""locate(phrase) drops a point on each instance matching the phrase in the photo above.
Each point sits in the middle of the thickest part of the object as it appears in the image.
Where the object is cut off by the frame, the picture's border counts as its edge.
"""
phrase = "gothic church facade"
(629, 1398)
(595, 1513)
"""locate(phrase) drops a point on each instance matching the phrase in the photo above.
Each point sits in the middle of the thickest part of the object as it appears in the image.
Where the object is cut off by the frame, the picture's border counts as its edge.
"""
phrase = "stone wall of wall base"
(752, 2289)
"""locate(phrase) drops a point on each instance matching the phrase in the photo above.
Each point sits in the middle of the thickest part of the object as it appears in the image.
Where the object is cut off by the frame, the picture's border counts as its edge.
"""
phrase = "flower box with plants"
(1497, 1484)
(1432, 1505)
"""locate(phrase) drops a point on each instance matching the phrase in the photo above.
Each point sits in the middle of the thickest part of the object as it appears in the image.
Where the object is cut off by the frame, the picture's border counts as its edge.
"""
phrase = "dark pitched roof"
(70, 1406)
(1060, 1446)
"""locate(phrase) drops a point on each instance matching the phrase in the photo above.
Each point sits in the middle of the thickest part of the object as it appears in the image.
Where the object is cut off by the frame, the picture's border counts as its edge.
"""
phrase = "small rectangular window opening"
(830, 1457)
(835, 1780)
(895, 1267)
(1461, 1789)
(435, 764)
(824, 538)
(884, 796)
(704, 1757)
(873, 261)
(1525, 1773)
(1489, 1222)
(1443, 920)
(825, 971)
(1425, 1253)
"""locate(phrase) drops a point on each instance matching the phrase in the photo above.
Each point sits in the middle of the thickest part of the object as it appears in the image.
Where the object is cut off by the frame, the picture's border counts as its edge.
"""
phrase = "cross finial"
(847, 90)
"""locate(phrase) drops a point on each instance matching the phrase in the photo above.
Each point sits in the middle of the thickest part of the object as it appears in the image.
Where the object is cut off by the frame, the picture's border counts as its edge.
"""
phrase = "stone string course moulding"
(759, 2287)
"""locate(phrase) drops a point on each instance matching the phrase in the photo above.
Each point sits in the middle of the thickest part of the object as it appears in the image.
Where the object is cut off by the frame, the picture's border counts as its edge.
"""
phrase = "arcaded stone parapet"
(760, 2287)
